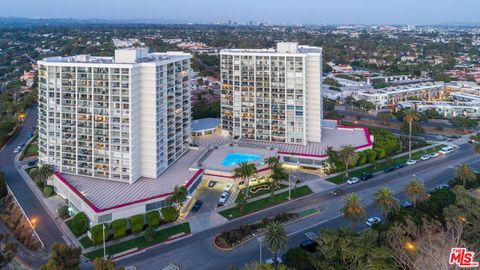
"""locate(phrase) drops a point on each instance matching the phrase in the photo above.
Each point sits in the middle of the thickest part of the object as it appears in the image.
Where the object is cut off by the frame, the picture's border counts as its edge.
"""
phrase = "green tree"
(108, 264)
(275, 239)
(348, 155)
(244, 171)
(8, 250)
(3, 186)
(63, 257)
(241, 202)
(410, 116)
(384, 117)
(463, 123)
(178, 196)
(415, 190)
(384, 200)
(465, 173)
(353, 208)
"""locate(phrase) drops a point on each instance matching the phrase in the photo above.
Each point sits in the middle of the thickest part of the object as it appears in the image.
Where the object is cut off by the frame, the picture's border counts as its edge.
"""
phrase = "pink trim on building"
(98, 210)
(232, 177)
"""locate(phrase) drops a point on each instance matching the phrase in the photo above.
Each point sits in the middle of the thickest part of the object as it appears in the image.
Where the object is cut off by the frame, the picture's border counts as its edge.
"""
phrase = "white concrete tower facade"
(272, 95)
(118, 118)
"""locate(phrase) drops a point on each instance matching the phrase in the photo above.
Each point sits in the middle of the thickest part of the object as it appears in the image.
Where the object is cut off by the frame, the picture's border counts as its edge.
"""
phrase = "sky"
(278, 11)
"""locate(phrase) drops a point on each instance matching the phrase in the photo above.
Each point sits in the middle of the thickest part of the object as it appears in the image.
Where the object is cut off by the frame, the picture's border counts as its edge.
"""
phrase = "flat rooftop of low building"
(108, 194)
(205, 124)
(358, 137)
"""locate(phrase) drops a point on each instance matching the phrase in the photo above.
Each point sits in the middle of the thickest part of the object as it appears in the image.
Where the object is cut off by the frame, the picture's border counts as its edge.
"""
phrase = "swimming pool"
(237, 158)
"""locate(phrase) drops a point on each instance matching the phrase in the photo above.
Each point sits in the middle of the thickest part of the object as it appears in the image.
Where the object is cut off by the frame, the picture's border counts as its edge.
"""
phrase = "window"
(105, 218)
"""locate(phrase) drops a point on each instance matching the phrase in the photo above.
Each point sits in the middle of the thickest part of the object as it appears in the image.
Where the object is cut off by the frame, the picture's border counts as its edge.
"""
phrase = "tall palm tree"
(465, 173)
(244, 171)
(332, 154)
(410, 116)
(278, 175)
(275, 240)
(178, 196)
(353, 208)
(348, 155)
(272, 162)
(415, 190)
(384, 200)
(45, 171)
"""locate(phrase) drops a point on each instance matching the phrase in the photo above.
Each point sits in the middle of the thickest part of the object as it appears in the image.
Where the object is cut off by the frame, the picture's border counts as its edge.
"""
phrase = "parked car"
(445, 150)
(17, 150)
(197, 206)
(228, 186)
(30, 135)
(442, 186)
(32, 163)
(425, 157)
(270, 261)
(399, 165)
(434, 155)
(372, 221)
(406, 204)
(411, 162)
(366, 176)
(212, 184)
(337, 191)
(223, 197)
(389, 169)
(353, 180)
(309, 245)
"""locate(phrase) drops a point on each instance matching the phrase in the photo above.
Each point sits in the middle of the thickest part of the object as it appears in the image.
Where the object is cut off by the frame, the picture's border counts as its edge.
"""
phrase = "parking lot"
(209, 196)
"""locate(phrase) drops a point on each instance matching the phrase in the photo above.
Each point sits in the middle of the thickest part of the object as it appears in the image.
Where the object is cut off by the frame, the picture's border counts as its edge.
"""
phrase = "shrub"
(136, 223)
(362, 158)
(79, 224)
(47, 191)
(380, 153)
(3, 187)
(169, 214)
(97, 235)
(371, 156)
(40, 184)
(119, 227)
(153, 218)
(63, 212)
(149, 234)
(339, 166)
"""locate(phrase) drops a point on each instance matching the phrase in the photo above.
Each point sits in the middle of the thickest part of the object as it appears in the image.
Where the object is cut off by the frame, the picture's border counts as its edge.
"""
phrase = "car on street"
(372, 221)
(212, 184)
(337, 191)
(353, 180)
(311, 236)
(406, 204)
(442, 186)
(399, 165)
(366, 176)
(309, 245)
(425, 157)
(30, 135)
(270, 261)
(411, 162)
(389, 169)
(197, 206)
(445, 150)
(228, 186)
(434, 155)
(223, 197)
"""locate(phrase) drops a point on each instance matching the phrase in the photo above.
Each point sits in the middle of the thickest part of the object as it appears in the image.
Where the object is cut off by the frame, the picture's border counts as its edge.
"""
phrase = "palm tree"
(353, 208)
(465, 173)
(244, 171)
(415, 190)
(332, 154)
(410, 116)
(272, 162)
(278, 174)
(384, 200)
(348, 155)
(275, 240)
(45, 171)
(34, 173)
(178, 196)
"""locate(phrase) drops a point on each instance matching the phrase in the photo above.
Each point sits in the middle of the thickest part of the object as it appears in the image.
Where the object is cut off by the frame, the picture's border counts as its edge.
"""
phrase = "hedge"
(63, 212)
(371, 156)
(153, 218)
(79, 224)
(169, 214)
(97, 235)
(380, 153)
(119, 227)
(47, 191)
(362, 158)
(136, 223)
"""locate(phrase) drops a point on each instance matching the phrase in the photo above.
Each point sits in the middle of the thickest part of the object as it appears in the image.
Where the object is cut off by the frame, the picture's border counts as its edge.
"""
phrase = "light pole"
(289, 186)
(104, 247)
(260, 244)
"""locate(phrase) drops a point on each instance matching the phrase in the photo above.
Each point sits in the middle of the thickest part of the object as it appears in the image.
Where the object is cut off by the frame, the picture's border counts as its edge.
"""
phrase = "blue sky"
(280, 11)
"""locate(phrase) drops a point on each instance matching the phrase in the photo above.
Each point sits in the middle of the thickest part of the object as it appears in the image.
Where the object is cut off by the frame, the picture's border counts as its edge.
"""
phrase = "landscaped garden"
(254, 206)
(261, 189)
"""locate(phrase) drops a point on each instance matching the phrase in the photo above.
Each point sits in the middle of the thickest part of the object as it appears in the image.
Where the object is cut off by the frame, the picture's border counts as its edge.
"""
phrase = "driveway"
(209, 196)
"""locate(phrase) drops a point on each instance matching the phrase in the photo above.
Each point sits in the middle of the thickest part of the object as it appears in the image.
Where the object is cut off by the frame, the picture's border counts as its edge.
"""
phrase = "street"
(46, 228)
(197, 251)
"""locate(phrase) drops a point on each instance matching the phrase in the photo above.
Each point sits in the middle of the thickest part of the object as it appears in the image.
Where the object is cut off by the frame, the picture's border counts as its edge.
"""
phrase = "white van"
(445, 150)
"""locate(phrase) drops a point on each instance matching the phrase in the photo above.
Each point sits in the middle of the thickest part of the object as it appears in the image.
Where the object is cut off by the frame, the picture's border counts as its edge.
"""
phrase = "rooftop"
(406, 88)
(282, 48)
(205, 124)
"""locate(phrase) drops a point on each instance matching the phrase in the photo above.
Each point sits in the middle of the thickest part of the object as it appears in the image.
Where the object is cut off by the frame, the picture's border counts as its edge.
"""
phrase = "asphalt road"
(197, 251)
(46, 228)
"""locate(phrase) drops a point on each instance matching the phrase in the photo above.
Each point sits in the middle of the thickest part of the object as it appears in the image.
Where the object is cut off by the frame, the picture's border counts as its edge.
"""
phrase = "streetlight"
(104, 247)
(33, 221)
(260, 244)
(410, 246)
(289, 186)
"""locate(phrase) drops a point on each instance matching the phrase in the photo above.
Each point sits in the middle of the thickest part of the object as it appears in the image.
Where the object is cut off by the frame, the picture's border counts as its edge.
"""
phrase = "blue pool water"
(236, 158)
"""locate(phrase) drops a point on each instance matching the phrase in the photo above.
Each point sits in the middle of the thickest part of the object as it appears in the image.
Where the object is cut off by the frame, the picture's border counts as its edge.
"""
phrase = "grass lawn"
(262, 192)
(265, 203)
(86, 242)
(382, 165)
(140, 242)
(31, 150)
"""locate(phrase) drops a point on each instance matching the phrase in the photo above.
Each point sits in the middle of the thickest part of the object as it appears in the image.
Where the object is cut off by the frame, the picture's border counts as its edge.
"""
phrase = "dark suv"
(366, 176)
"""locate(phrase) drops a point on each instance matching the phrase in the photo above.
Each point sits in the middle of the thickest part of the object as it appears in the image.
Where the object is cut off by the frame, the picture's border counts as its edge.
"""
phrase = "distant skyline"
(277, 11)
